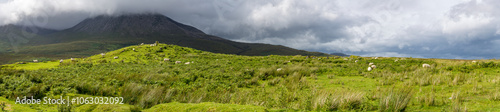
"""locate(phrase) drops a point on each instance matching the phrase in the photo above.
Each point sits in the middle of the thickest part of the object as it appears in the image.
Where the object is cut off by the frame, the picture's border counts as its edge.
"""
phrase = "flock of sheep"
(371, 66)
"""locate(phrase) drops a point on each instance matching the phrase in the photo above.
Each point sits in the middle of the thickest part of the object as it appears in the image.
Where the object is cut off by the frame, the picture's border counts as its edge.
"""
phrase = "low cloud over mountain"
(423, 28)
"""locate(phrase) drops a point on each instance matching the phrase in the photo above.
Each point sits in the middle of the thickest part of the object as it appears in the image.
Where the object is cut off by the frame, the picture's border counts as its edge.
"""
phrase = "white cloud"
(465, 23)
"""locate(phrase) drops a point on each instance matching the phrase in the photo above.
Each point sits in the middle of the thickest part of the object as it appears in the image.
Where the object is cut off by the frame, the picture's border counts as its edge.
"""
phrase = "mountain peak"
(134, 24)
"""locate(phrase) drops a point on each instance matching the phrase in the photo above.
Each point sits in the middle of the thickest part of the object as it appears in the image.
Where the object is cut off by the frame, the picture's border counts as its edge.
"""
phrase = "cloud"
(406, 28)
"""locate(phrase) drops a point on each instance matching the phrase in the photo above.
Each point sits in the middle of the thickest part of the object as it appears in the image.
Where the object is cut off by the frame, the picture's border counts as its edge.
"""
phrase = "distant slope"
(340, 54)
(106, 33)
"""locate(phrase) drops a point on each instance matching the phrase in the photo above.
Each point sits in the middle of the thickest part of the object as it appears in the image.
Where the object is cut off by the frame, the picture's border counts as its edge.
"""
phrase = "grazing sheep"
(166, 59)
(35, 61)
(369, 68)
(152, 45)
(133, 49)
(426, 65)
(142, 43)
(370, 64)
(356, 61)
(376, 57)
(187, 63)
(61, 61)
(178, 62)
(373, 66)
(102, 54)
(279, 69)
(73, 59)
(286, 62)
(116, 57)
(396, 60)
(474, 61)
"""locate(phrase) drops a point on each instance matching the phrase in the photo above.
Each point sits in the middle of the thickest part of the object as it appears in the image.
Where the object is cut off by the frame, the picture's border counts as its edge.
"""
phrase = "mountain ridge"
(105, 33)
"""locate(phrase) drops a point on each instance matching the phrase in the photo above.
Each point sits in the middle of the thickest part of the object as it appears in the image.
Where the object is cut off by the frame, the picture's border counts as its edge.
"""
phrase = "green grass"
(12, 106)
(222, 82)
(205, 107)
(34, 66)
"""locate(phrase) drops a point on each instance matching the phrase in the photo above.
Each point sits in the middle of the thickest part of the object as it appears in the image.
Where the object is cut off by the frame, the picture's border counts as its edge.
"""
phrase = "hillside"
(107, 33)
(206, 81)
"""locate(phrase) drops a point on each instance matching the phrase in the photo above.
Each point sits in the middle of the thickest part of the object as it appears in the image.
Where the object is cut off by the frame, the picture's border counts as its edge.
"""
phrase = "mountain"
(106, 33)
(340, 54)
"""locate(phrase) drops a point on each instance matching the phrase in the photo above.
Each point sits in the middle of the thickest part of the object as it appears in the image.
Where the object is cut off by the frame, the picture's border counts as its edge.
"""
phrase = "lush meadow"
(222, 82)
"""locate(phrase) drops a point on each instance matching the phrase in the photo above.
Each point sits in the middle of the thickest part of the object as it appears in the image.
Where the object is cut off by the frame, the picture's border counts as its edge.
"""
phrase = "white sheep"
(166, 59)
(279, 69)
(103, 54)
(73, 59)
(187, 63)
(142, 43)
(373, 66)
(178, 62)
(369, 68)
(370, 64)
(116, 57)
(474, 61)
(60, 61)
(356, 61)
(35, 61)
(396, 60)
(133, 49)
(152, 45)
(426, 65)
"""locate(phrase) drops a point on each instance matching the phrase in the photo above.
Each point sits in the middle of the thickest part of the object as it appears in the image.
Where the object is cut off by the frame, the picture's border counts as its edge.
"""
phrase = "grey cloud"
(405, 28)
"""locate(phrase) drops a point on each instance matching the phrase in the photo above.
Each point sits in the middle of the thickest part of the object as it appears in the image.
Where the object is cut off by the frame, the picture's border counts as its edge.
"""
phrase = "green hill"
(224, 82)
(107, 33)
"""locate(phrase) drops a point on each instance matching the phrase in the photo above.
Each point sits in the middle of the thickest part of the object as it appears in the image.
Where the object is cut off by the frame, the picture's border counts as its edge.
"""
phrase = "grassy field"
(205, 81)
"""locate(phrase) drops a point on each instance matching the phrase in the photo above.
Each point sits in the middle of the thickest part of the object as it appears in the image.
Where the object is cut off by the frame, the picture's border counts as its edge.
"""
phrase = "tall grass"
(340, 100)
(145, 80)
(395, 99)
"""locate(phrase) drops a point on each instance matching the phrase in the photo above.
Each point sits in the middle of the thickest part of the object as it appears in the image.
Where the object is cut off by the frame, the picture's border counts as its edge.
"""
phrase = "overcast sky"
(463, 29)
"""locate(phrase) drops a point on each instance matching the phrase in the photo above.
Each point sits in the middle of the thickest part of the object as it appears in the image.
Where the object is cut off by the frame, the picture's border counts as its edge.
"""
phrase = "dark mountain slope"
(106, 33)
